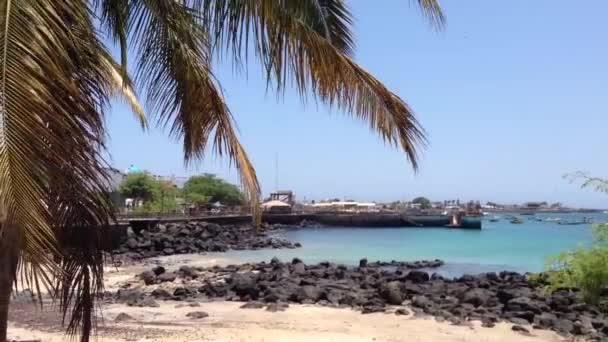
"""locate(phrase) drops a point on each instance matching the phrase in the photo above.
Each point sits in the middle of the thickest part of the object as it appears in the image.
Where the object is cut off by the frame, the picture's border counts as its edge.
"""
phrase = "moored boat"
(517, 220)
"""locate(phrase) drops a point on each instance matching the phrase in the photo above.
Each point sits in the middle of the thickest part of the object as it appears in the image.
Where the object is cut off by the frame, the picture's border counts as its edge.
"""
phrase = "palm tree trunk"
(8, 266)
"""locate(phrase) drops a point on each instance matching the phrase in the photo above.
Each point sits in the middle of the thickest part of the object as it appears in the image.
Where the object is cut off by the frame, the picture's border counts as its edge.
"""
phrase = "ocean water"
(498, 246)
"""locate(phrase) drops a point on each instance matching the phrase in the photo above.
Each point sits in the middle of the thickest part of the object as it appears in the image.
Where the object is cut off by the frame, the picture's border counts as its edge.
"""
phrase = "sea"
(498, 246)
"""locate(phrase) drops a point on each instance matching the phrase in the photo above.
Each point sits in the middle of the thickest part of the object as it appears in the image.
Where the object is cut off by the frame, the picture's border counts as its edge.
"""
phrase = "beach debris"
(197, 315)
(402, 312)
(253, 305)
(276, 307)
(520, 329)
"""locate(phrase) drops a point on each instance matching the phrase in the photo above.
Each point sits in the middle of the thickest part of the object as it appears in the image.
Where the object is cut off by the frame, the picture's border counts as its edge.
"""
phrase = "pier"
(394, 220)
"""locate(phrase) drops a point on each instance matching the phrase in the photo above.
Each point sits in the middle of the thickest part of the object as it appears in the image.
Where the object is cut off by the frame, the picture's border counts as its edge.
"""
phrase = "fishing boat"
(517, 220)
(575, 223)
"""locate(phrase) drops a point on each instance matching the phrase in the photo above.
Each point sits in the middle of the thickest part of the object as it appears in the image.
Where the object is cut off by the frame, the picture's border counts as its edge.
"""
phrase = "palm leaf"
(174, 68)
(292, 52)
(432, 10)
(122, 88)
(54, 86)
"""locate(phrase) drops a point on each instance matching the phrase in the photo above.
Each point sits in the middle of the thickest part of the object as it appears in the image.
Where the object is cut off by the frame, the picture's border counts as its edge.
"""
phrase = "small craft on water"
(576, 223)
(517, 220)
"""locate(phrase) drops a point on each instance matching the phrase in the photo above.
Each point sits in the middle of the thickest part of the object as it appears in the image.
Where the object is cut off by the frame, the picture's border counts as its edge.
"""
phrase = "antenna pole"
(276, 171)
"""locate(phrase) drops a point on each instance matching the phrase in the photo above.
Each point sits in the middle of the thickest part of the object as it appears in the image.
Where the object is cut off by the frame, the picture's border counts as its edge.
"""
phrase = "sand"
(228, 322)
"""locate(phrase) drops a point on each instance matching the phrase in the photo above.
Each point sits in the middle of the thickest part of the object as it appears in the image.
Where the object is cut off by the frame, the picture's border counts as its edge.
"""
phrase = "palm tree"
(57, 79)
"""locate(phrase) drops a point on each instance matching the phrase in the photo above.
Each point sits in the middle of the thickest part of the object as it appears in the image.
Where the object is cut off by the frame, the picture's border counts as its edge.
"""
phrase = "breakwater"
(118, 233)
(326, 219)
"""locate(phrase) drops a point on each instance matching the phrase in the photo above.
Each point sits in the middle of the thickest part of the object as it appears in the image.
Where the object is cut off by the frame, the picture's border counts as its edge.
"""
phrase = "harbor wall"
(118, 232)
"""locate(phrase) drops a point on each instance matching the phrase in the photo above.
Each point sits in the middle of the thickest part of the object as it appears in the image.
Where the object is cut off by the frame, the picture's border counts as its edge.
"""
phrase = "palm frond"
(54, 88)
(339, 21)
(294, 53)
(123, 89)
(174, 67)
(433, 11)
(115, 17)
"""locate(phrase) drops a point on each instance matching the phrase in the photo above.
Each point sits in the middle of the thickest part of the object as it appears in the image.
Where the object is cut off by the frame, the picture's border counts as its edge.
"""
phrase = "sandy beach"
(228, 322)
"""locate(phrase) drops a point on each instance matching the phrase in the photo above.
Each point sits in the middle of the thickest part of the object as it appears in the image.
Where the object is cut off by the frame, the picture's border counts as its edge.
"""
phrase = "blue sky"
(512, 95)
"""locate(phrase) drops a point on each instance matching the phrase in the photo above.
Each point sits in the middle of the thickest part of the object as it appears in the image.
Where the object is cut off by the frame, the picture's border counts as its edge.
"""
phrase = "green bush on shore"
(583, 268)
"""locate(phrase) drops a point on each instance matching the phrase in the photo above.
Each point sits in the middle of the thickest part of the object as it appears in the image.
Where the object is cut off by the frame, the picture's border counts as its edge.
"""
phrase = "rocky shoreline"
(397, 287)
(196, 237)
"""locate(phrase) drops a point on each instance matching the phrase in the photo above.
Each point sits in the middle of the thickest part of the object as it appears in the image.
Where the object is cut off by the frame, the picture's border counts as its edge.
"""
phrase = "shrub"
(583, 268)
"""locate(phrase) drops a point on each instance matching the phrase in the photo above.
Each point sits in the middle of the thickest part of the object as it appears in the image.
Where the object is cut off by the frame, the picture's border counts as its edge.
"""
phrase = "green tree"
(139, 186)
(424, 202)
(57, 78)
(210, 189)
(585, 268)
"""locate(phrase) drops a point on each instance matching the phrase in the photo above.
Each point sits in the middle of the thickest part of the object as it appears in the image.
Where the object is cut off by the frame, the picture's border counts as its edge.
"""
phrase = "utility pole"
(276, 171)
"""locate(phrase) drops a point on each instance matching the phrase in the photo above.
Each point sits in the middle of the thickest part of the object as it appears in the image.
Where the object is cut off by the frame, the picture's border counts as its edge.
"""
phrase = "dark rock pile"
(196, 237)
(376, 287)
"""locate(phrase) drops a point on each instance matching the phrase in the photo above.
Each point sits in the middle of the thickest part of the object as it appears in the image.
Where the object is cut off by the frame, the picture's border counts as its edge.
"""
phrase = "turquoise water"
(498, 246)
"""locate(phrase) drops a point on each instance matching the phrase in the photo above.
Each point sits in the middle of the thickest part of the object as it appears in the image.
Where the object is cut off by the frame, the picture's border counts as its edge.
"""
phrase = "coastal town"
(287, 201)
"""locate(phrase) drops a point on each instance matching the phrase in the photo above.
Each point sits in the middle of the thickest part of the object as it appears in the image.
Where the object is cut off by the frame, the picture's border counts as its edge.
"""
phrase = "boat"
(575, 223)
(553, 219)
(494, 218)
(517, 220)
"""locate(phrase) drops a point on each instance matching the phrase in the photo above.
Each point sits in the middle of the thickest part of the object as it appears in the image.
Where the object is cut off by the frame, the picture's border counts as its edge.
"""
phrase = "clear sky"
(512, 95)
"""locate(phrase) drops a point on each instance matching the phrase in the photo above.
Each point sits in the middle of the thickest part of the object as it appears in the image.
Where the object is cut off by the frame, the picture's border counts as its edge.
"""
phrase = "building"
(285, 196)
(347, 206)
(276, 207)
(115, 178)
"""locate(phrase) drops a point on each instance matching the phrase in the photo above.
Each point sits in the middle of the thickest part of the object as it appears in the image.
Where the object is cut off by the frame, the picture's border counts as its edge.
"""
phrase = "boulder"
(276, 307)
(545, 320)
(167, 277)
(563, 325)
(148, 277)
(129, 295)
(519, 321)
(123, 317)
(477, 297)
(520, 329)
(417, 276)
(402, 312)
(391, 293)
(158, 270)
(244, 284)
(363, 263)
(160, 293)
(132, 243)
(523, 304)
(367, 309)
(421, 302)
(299, 268)
(188, 272)
(253, 305)
(505, 295)
(307, 293)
